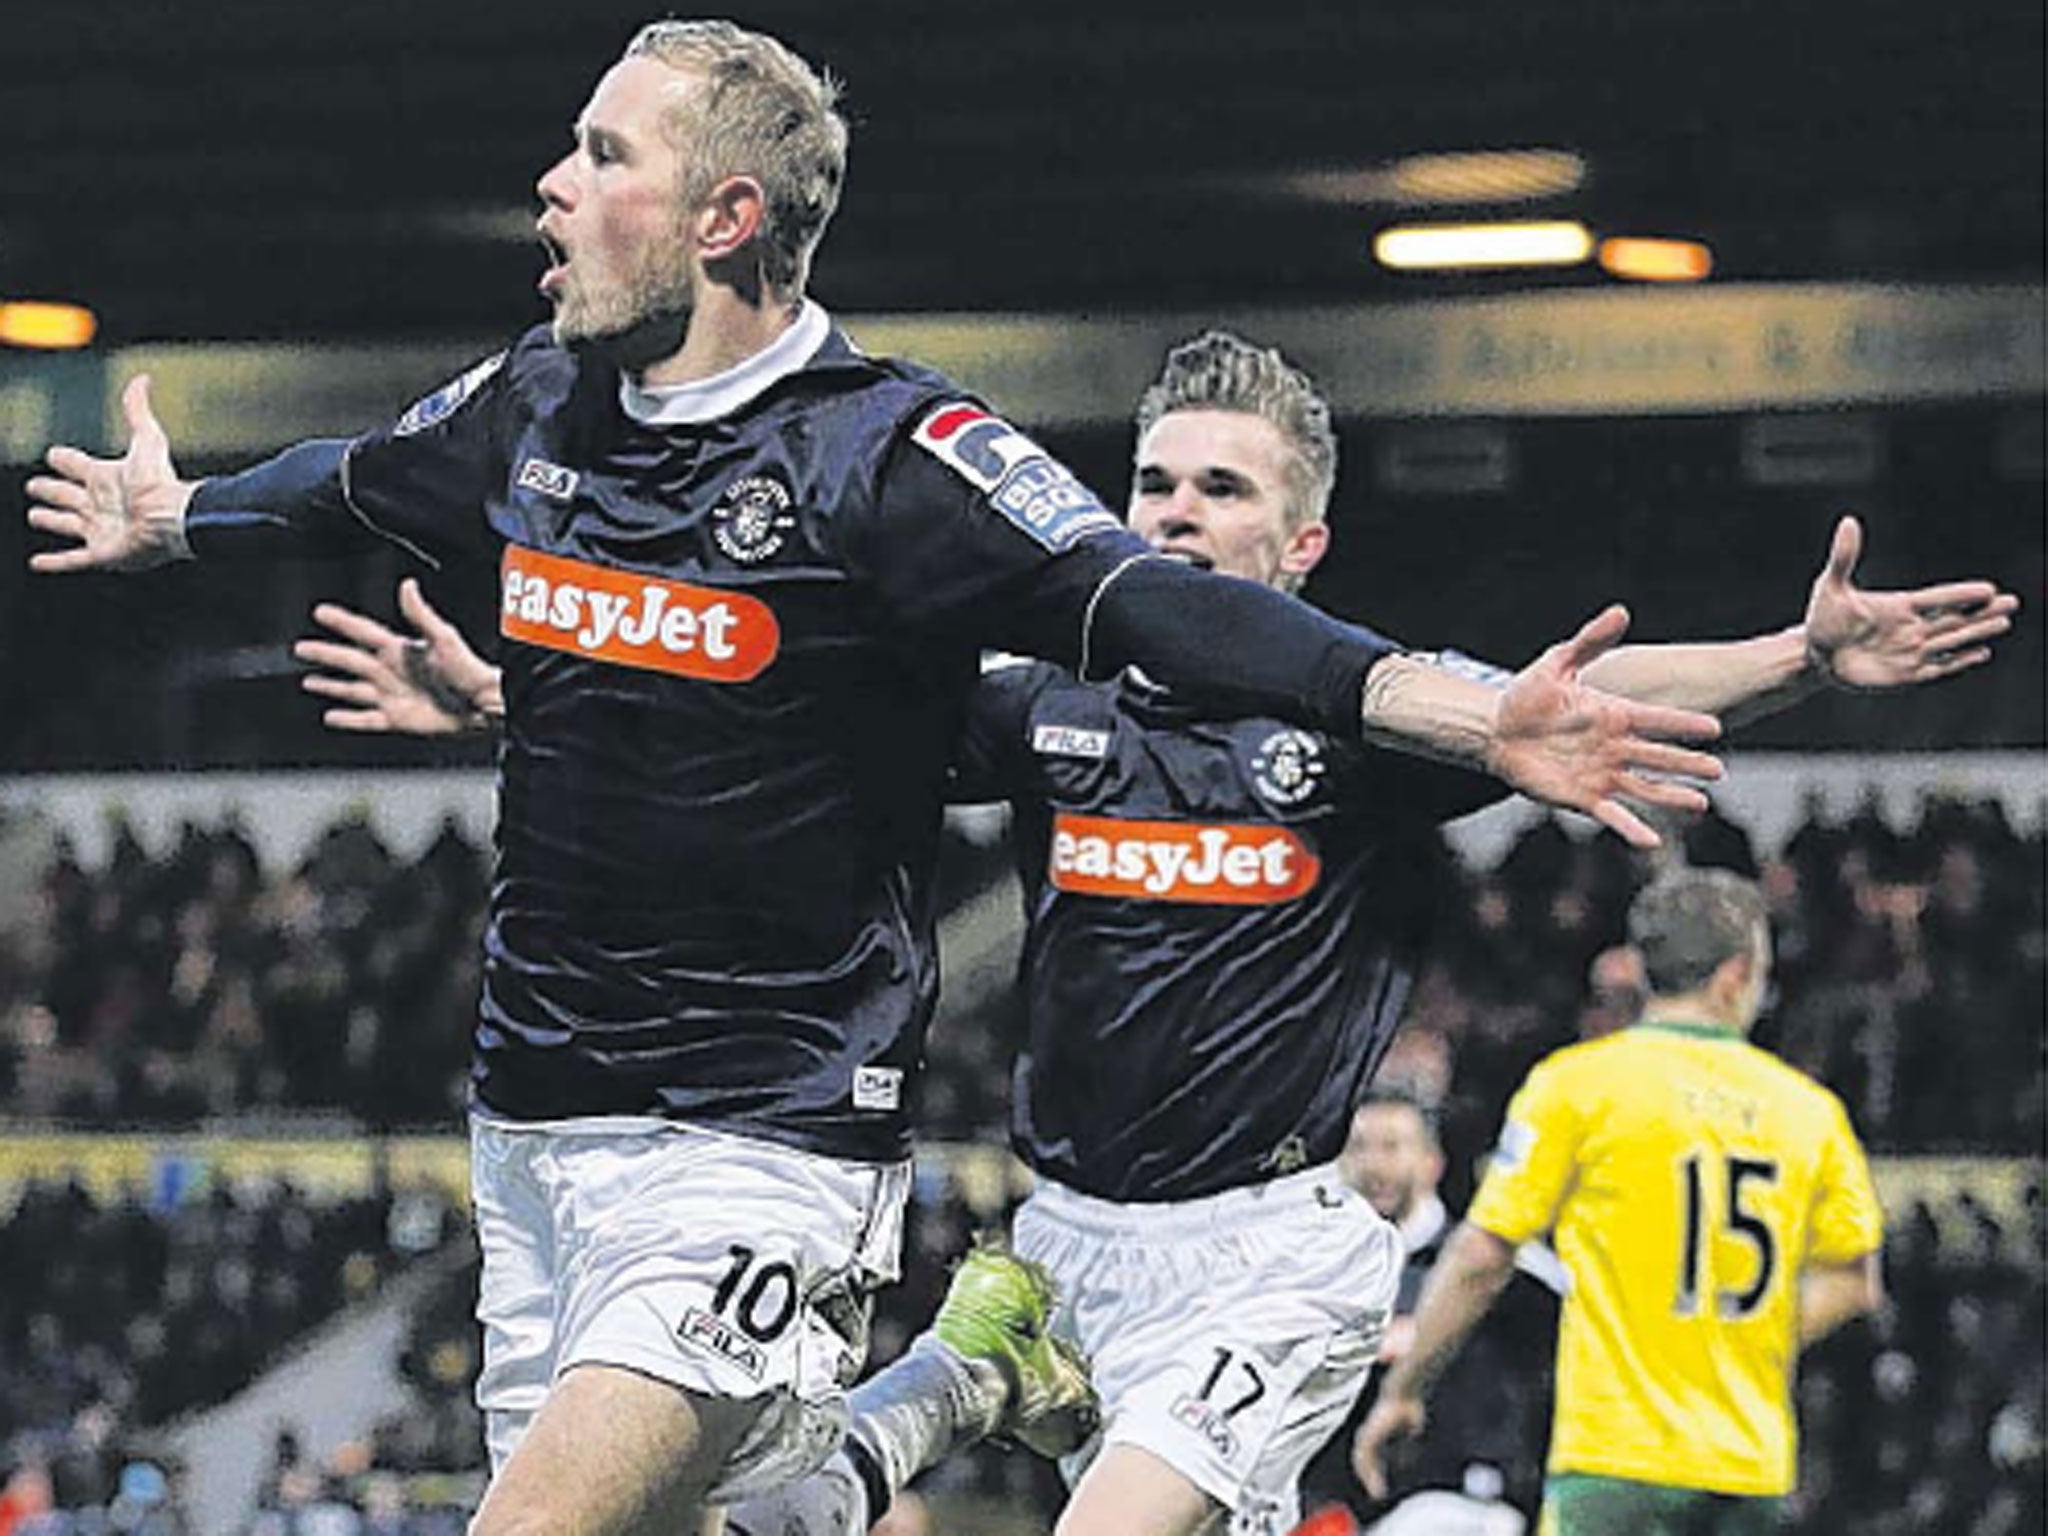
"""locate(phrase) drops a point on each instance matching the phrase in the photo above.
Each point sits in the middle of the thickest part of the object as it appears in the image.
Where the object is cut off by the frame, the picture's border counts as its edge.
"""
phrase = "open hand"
(1865, 639)
(125, 514)
(1561, 741)
(431, 684)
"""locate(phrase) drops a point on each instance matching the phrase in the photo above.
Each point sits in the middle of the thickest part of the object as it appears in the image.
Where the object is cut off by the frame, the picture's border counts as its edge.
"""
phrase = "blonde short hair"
(1219, 371)
(766, 114)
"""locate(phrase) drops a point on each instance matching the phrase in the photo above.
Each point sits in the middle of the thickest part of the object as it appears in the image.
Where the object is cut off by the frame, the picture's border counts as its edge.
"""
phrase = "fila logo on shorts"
(700, 1327)
(1221, 865)
(1206, 1421)
(1022, 481)
(635, 620)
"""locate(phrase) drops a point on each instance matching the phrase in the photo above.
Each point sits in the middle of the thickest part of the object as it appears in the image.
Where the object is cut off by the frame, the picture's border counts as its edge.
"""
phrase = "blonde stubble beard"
(643, 318)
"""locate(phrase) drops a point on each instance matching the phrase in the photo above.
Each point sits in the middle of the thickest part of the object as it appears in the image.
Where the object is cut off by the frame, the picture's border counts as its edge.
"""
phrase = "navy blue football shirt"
(1223, 922)
(740, 624)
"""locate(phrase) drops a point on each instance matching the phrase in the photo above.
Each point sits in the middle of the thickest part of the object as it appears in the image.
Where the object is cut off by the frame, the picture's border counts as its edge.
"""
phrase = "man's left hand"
(1559, 740)
(383, 681)
(1865, 639)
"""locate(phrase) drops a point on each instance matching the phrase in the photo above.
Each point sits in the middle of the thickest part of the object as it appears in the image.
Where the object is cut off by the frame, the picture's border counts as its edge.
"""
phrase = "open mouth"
(1194, 557)
(557, 271)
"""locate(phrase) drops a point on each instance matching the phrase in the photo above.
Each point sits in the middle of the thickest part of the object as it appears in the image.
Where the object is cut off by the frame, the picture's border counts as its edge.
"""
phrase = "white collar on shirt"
(1423, 1224)
(702, 400)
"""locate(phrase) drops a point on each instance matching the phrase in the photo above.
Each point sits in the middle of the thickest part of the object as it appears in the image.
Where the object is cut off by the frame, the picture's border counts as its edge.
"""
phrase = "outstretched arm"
(1547, 733)
(428, 684)
(1462, 1287)
(419, 483)
(1849, 636)
(135, 512)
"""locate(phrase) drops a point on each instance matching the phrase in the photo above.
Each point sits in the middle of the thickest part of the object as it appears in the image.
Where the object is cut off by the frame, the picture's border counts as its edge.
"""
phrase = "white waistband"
(1230, 1209)
(579, 1125)
(483, 1122)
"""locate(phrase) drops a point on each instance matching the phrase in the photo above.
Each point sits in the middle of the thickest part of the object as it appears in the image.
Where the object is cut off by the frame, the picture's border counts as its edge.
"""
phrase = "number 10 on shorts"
(753, 1305)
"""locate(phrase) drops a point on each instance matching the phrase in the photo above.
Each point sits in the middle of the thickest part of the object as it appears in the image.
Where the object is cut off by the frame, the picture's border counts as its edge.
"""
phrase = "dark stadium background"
(357, 175)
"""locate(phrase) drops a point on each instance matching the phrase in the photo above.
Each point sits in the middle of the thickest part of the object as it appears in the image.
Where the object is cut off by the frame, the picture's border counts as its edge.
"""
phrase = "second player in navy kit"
(1223, 919)
(1181, 872)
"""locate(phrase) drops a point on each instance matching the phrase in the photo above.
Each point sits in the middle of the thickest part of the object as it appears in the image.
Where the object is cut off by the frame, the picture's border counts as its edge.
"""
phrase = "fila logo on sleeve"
(635, 620)
(1022, 481)
(1069, 741)
(1208, 864)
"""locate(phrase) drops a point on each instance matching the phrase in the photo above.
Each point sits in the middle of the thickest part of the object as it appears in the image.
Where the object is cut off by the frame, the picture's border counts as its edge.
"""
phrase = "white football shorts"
(1229, 1336)
(728, 1267)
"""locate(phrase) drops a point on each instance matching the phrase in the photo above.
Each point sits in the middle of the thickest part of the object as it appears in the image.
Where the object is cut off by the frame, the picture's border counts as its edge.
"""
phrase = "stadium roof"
(364, 170)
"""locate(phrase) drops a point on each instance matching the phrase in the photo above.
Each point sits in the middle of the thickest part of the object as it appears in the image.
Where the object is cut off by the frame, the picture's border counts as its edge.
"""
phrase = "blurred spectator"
(1616, 989)
(26, 1494)
(114, 1319)
(1490, 1415)
(165, 991)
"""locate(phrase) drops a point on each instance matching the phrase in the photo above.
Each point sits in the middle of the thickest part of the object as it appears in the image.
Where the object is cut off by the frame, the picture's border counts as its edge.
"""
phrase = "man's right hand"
(1392, 1420)
(429, 685)
(125, 514)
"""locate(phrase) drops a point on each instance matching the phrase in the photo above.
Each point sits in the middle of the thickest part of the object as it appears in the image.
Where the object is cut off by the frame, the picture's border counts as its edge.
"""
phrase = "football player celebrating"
(744, 572)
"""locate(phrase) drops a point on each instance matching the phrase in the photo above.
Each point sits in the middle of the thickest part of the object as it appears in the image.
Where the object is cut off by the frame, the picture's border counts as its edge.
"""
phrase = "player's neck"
(725, 330)
(1691, 1010)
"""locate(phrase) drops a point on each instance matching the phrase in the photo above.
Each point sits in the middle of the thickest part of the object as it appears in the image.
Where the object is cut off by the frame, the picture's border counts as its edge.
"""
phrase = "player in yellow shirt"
(1715, 1212)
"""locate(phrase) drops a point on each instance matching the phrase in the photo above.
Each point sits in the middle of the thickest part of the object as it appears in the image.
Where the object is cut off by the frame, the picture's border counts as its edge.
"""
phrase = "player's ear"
(1304, 548)
(731, 215)
(1731, 976)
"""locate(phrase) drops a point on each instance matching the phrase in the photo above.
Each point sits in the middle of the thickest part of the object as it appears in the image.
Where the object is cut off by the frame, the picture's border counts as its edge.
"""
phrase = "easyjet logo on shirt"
(635, 620)
(1236, 865)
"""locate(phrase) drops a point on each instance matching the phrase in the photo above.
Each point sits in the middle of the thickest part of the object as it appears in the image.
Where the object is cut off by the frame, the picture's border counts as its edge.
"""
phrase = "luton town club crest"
(752, 520)
(1287, 767)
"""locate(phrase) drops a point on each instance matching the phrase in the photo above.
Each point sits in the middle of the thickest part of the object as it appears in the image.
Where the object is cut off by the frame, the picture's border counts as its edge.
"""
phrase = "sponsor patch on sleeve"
(1028, 486)
(441, 404)
(1517, 1141)
(1458, 664)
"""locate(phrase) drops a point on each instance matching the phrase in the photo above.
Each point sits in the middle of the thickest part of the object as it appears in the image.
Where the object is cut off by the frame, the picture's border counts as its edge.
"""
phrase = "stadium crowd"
(170, 990)
(211, 987)
(166, 991)
(119, 1315)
